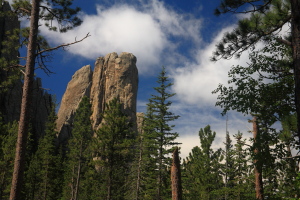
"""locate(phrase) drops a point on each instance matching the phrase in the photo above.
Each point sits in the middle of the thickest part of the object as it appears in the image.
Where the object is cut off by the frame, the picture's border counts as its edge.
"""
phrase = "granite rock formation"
(10, 105)
(113, 76)
(78, 87)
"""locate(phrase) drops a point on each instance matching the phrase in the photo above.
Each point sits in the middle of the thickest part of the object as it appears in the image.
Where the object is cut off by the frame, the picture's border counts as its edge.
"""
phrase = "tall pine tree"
(44, 177)
(113, 149)
(79, 152)
(159, 140)
(8, 138)
(202, 169)
(49, 11)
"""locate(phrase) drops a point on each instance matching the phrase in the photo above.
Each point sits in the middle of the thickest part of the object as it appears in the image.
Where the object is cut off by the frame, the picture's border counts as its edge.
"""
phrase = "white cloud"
(146, 32)
(194, 82)
(154, 33)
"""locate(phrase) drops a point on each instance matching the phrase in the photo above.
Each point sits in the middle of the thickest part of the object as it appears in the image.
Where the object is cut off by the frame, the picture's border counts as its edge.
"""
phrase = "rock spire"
(113, 76)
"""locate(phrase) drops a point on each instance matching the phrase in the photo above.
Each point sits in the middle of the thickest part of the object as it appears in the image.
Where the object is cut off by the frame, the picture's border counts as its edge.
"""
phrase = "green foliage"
(202, 169)
(79, 153)
(57, 14)
(9, 45)
(8, 138)
(113, 150)
(159, 141)
(266, 18)
(45, 174)
(266, 86)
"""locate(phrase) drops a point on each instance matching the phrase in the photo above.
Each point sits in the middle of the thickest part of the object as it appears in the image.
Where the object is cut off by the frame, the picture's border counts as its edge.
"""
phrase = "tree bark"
(295, 9)
(176, 177)
(78, 171)
(26, 103)
(138, 180)
(259, 191)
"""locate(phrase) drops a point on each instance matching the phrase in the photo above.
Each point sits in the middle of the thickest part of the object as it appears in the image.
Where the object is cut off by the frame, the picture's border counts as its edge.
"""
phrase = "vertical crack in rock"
(113, 76)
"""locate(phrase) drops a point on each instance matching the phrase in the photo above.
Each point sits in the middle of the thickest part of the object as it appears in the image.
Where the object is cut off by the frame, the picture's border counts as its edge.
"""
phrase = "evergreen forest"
(116, 162)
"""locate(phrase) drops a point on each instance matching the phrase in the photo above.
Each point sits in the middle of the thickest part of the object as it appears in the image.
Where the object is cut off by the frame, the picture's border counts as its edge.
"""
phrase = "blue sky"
(180, 35)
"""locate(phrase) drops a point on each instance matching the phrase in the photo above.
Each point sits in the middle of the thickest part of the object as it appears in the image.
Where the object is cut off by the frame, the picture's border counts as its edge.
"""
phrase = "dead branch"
(283, 41)
(292, 157)
(63, 45)
(22, 9)
(17, 65)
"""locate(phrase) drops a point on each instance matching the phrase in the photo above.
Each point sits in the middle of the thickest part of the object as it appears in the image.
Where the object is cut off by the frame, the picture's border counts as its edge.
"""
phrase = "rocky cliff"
(113, 76)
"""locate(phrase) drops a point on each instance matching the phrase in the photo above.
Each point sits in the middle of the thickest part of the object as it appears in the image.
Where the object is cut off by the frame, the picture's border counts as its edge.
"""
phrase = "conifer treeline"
(116, 163)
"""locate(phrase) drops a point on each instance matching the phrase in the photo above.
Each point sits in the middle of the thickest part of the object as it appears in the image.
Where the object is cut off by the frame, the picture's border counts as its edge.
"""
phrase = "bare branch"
(17, 65)
(235, 9)
(283, 41)
(22, 9)
(48, 89)
(22, 71)
(63, 45)
(50, 11)
(292, 157)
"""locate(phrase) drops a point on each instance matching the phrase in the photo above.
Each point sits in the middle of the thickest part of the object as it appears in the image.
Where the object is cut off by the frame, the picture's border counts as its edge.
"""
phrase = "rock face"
(78, 87)
(113, 76)
(10, 105)
(41, 108)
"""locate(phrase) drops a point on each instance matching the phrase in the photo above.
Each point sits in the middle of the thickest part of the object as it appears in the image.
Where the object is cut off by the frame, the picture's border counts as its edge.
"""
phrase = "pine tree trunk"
(257, 163)
(25, 106)
(46, 185)
(78, 172)
(109, 181)
(72, 185)
(138, 180)
(176, 177)
(295, 7)
(160, 168)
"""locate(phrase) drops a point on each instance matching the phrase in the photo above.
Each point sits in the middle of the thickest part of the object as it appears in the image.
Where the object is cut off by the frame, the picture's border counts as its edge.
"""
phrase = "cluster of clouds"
(157, 35)
(149, 31)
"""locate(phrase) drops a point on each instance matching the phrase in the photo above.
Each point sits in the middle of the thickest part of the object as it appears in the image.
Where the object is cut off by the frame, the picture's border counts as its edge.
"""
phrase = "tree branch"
(22, 9)
(292, 157)
(63, 45)
(49, 10)
(17, 65)
(283, 41)
(234, 9)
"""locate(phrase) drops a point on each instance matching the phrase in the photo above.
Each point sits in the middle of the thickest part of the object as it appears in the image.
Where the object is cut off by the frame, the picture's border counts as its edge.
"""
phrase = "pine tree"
(265, 20)
(136, 186)
(45, 176)
(202, 169)
(79, 152)
(8, 138)
(229, 167)
(62, 12)
(113, 149)
(287, 169)
(243, 188)
(159, 141)
(9, 45)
